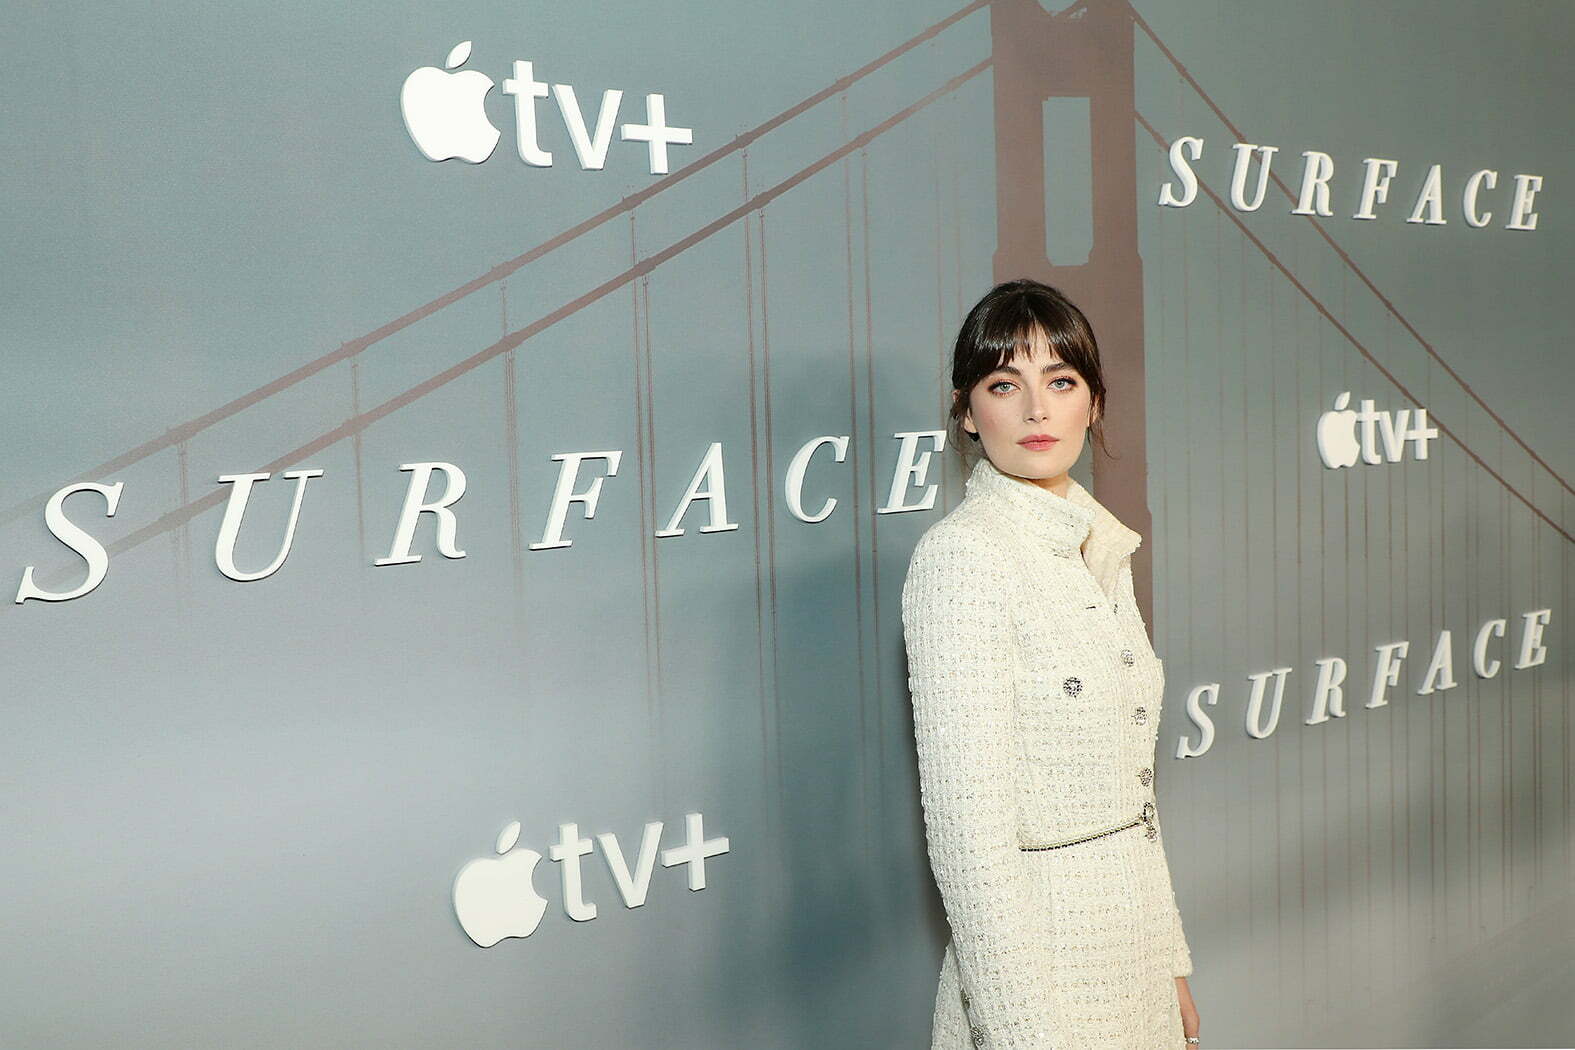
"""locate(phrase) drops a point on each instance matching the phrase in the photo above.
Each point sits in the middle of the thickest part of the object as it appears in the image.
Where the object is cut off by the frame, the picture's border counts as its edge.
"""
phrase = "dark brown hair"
(1000, 326)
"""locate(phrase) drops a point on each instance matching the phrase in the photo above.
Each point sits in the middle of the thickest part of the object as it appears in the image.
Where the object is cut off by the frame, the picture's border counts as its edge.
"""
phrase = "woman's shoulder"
(970, 552)
(965, 553)
(960, 537)
(956, 566)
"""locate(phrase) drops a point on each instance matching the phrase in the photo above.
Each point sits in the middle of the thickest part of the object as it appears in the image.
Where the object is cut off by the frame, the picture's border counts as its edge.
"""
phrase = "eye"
(1068, 380)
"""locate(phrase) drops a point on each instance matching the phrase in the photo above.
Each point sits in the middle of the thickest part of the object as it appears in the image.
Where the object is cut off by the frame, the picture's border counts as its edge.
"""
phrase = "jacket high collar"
(1058, 525)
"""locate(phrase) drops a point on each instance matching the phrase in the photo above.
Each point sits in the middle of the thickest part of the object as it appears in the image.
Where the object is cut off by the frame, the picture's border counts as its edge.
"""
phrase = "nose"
(1038, 405)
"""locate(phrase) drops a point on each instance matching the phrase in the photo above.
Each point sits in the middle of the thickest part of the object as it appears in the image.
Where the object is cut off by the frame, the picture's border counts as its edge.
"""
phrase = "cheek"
(997, 412)
(994, 419)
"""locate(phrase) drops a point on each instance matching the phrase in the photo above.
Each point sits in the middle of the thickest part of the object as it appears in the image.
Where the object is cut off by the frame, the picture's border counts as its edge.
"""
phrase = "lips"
(1038, 442)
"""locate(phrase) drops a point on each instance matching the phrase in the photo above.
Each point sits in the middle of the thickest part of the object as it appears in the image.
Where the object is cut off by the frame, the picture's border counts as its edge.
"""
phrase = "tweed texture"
(1036, 704)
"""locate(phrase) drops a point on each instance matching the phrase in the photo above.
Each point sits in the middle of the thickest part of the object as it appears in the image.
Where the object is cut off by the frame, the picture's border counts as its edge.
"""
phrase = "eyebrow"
(1051, 367)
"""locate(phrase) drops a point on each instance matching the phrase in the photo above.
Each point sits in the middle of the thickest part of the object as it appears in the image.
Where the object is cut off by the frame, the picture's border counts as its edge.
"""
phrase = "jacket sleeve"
(1178, 956)
(958, 632)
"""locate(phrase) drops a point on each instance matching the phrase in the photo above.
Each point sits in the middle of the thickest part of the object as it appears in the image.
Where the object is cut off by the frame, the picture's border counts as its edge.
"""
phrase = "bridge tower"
(1082, 52)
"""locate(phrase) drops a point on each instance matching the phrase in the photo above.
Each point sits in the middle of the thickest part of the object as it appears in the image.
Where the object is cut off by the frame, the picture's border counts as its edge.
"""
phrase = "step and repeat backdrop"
(461, 461)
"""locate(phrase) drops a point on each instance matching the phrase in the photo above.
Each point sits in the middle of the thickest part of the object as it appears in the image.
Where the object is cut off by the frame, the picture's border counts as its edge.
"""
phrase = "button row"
(975, 1031)
(1072, 687)
(1139, 715)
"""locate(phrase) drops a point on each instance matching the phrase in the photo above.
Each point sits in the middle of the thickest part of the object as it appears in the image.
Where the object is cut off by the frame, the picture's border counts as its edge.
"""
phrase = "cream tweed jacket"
(1036, 703)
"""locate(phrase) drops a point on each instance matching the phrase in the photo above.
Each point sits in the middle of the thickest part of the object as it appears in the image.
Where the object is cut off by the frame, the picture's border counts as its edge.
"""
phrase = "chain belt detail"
(1146, 816)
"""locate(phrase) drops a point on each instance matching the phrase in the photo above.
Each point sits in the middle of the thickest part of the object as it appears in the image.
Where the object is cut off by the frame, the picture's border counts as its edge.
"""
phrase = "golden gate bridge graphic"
(1086, 51)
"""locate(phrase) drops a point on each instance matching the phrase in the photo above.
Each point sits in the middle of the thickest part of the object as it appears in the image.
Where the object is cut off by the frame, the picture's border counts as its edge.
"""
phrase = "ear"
(967, 416)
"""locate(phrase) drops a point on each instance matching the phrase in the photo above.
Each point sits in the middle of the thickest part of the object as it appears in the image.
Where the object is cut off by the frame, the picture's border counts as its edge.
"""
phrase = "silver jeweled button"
(978, 1035)
(1140, 715)
(1127, 657)
(1072, 686)
(965, 1000)
(1145, 776)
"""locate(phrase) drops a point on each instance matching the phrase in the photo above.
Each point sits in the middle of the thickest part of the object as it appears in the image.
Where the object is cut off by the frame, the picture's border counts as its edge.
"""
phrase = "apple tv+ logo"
(445, 115)
(495, 897)
(1346, 434)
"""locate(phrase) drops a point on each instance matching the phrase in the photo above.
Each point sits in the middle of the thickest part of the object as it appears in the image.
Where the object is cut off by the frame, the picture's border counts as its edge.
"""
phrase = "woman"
(1036, 700)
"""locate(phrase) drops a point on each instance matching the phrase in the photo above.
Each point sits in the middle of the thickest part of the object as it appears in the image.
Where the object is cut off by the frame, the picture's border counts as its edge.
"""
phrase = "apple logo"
(444, 112)
(1337, 441)
(494, 897)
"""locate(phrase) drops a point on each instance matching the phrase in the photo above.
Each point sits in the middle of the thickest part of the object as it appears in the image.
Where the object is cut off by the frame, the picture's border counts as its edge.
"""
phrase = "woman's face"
(1034, 395)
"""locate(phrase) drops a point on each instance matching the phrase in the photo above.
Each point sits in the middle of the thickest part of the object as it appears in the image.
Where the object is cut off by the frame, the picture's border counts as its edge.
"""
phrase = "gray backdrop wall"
(235, 812)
